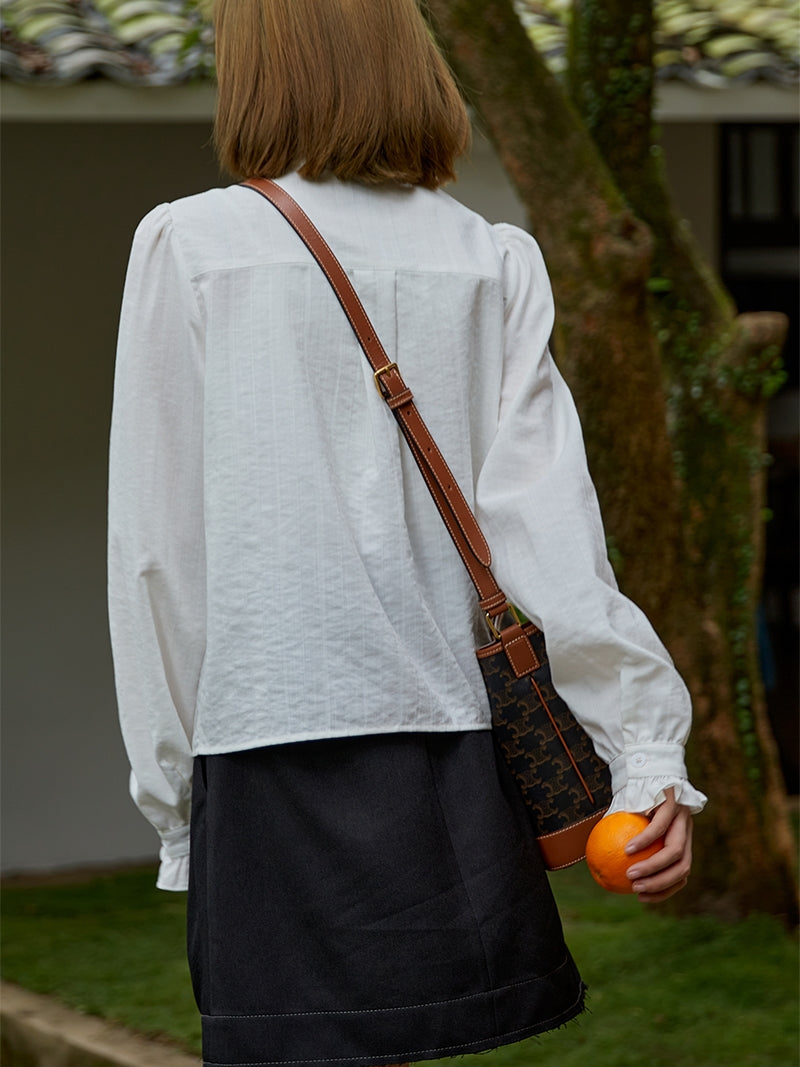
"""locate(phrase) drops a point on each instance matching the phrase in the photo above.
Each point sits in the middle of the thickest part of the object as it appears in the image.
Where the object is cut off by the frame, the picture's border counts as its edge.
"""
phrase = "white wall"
(72, 195)
(691, 154)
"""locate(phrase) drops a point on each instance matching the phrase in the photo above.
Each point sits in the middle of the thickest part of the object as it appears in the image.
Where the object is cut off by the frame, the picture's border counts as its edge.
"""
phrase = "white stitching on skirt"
(401, 1007)
(391, 1055)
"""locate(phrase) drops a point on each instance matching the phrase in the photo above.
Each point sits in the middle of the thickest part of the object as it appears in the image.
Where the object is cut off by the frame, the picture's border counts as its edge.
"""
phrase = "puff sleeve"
(156, 551)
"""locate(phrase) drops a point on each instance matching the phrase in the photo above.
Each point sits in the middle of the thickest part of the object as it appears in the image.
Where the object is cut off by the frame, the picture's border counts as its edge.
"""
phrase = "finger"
(660, 880)
(659, 823)
(669, 879)
(644, 839)
(666, 811)
(667, 882)
(656, 898)
(677, 845)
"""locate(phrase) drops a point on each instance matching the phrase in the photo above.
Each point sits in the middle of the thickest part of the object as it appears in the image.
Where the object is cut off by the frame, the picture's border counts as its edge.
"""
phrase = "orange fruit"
(606, 857)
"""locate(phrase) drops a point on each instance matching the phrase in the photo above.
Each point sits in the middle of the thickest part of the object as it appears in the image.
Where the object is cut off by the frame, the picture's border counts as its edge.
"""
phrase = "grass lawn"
(663, 991)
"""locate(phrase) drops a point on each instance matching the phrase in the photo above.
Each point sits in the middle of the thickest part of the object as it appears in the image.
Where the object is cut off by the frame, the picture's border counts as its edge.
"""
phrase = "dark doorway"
(759, 232)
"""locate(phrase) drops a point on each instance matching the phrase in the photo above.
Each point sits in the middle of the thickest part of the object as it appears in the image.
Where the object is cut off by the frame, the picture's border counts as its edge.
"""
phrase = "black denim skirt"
(366, 901)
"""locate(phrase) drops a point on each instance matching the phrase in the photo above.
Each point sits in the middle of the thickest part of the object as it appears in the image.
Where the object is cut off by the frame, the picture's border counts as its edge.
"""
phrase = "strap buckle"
(376, 377)
(509, 609)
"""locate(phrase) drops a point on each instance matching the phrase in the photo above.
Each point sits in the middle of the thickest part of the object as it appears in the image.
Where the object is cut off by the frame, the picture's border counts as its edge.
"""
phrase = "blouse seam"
(192, 278)
(301, 262)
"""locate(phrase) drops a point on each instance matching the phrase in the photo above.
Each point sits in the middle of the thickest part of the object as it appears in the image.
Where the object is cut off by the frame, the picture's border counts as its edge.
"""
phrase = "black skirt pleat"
(372, 900)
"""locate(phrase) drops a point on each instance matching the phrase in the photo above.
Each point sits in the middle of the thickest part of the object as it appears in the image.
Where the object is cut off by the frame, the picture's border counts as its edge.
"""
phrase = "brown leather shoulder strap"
(453, 507)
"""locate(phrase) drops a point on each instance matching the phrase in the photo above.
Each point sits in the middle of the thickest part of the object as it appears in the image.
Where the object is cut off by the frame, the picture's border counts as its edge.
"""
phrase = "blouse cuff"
(642, 773)
(173, 871)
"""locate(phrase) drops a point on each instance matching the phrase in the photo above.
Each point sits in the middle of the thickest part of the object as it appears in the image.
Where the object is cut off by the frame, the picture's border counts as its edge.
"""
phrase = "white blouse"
(277, 570)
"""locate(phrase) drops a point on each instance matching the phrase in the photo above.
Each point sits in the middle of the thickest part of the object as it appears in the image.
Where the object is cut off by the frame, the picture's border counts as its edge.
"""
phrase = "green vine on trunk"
(706, 396)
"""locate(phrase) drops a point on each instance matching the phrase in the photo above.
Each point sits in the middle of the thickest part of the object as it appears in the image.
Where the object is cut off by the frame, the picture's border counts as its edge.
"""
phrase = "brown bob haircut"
(353, 88)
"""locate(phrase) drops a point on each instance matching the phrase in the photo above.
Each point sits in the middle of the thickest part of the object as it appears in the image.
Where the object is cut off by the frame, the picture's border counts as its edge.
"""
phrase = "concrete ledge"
(40, 1032)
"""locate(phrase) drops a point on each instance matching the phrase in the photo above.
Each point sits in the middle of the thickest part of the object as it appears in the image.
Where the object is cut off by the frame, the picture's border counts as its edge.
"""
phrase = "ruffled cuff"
(641, 774)
(173, 871)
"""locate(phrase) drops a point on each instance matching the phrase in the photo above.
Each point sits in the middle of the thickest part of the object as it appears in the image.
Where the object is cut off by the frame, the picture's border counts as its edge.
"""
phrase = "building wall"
(72, 194)
(691, 156)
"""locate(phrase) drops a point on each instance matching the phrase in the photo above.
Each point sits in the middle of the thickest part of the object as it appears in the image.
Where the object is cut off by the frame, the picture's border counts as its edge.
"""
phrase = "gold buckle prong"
(376, 377)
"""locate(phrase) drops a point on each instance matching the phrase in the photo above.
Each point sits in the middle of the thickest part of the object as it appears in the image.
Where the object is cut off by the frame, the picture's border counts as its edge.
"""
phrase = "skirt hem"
(486, 1020)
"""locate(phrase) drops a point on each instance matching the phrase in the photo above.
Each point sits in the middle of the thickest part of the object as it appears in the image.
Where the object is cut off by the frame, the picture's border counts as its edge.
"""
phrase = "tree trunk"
(719, 370)
(672, 409)
(599, 258)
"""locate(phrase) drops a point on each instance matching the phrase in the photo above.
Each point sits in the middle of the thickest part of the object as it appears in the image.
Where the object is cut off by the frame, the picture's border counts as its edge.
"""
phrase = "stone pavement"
(36, 1031)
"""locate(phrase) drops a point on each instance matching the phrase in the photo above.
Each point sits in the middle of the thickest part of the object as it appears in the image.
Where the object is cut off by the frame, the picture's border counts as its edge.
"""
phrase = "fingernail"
(630, 849)
(638, 887)
(633, 872)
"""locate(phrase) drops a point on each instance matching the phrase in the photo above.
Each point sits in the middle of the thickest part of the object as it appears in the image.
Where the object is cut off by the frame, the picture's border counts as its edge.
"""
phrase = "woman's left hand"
(665, 872)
